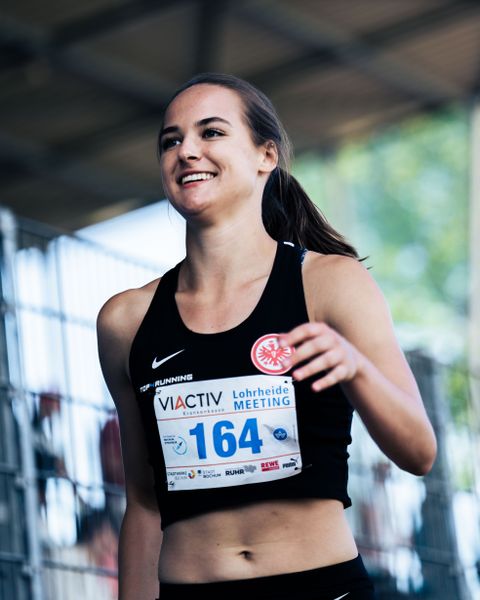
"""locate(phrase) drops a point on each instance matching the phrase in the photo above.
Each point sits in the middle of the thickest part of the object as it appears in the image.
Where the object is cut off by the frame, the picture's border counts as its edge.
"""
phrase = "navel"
(246, 554)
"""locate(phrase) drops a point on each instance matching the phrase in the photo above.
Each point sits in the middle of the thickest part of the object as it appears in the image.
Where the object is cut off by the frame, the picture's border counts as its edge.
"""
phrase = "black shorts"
(346, 581)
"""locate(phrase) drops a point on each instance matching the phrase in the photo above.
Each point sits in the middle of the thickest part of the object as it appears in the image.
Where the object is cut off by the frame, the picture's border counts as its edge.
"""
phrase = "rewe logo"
(271, 465)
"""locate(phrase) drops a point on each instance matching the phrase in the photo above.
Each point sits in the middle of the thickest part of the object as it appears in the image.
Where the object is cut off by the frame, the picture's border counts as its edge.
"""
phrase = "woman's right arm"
(140, 536)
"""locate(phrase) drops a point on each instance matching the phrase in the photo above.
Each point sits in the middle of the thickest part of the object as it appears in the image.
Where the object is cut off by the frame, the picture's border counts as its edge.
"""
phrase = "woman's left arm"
(351, 337)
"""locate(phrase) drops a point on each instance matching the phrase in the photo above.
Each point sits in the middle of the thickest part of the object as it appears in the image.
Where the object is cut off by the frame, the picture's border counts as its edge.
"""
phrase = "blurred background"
(381, 100)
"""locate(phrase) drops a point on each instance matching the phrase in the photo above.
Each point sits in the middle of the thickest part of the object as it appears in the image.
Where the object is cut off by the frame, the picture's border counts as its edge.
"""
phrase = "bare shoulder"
(315, 261)
(340, 287)
(122, 314)
(117, 323)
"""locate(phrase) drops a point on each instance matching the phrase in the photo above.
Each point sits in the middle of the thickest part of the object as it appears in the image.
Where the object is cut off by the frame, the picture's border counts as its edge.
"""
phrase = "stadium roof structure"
(83, 85)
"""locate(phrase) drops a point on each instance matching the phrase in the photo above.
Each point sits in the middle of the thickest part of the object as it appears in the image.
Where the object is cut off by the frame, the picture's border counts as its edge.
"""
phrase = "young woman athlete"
(235, 375)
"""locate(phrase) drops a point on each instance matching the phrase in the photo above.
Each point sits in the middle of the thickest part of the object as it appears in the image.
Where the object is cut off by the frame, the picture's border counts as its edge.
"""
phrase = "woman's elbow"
(421, 463)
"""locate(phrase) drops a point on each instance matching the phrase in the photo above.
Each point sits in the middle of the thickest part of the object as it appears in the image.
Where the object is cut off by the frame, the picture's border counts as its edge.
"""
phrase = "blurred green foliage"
(457, 390)
(401, 197)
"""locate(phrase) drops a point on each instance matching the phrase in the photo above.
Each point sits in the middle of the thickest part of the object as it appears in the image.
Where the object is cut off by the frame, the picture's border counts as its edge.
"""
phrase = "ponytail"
(290, 215)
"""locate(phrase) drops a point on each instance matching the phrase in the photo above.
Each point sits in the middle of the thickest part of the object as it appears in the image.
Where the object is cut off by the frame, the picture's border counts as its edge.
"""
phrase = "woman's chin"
(196, 211)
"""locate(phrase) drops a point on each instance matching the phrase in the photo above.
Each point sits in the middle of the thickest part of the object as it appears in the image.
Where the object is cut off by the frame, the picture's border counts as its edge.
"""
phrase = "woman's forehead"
(204, 101)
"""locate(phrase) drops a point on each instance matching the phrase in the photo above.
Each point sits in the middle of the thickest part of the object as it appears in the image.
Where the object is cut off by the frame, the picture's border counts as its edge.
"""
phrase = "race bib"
(225, 432)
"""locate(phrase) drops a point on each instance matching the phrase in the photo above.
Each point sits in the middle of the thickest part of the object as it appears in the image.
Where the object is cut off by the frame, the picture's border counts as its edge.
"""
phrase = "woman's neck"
(222, 256)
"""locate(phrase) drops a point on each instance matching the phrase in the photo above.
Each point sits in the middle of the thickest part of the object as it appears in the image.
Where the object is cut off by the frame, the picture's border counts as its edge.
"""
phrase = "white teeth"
(197, 177)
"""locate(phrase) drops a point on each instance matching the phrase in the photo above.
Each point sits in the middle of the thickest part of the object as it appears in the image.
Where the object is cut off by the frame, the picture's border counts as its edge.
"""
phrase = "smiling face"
(208, 158)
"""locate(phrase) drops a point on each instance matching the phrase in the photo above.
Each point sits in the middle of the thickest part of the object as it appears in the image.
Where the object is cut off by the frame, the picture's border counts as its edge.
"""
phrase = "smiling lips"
(196, 177)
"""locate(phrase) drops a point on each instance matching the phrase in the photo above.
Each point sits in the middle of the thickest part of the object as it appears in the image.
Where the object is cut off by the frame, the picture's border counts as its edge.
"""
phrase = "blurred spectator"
(99, 539)
(90, 565)
(49, 458)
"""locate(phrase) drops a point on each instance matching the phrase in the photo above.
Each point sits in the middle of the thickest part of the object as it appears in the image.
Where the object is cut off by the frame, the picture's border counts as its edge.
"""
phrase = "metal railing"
(61, 478)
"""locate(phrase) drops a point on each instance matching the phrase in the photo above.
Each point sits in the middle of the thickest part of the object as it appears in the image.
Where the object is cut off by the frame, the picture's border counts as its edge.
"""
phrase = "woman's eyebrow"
(208, 120)
(201, 123)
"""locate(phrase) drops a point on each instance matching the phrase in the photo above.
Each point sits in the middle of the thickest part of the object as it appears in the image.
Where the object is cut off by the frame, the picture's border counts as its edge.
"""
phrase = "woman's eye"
(209, 133)
(169, 143)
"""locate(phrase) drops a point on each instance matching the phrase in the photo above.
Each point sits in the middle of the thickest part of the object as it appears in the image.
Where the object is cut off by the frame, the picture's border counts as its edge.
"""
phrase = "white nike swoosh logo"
(338, 597)
(156, 363)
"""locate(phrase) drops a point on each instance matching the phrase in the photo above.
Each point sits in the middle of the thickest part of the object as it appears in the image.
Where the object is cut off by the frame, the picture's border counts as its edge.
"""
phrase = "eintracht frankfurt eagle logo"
(267, 355)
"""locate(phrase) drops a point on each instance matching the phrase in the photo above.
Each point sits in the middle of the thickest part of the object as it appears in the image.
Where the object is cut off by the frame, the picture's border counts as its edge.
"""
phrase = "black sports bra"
(225, 425)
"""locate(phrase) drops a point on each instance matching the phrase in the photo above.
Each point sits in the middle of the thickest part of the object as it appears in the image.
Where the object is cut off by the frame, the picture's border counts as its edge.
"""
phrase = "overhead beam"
(109, 19)
(424, 22)
(30, 157)
(210, 15)
(130, 83)
(475, 87)
(328, 47)
(333, 45)
(319, 54)
(330, 140)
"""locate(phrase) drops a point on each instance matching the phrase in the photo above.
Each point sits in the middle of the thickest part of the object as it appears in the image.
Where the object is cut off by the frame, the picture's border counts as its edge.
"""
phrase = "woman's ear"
(269, 157)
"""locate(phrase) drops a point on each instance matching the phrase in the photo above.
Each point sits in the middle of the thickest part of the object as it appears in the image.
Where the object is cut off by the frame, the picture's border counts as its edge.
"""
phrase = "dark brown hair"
(287, 211)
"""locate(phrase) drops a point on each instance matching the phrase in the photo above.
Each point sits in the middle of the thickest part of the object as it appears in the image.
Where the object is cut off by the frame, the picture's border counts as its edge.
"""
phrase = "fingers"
(339, 373)
(309, 340)
(302, 332)
(319, 348)
(320, 363)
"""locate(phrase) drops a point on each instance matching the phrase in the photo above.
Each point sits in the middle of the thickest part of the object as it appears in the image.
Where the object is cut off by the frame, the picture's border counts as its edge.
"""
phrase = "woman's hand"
(324, 349)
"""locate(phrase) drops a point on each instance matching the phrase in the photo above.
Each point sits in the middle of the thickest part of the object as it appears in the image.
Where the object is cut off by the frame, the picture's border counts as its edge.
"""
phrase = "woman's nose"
(189, 149)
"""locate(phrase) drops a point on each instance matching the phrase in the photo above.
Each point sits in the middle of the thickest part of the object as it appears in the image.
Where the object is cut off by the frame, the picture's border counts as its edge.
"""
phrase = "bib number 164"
(225, 442)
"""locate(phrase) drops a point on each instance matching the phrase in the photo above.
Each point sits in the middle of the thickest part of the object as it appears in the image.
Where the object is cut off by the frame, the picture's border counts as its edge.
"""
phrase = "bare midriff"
(256, 540)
